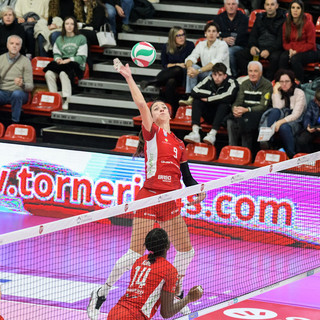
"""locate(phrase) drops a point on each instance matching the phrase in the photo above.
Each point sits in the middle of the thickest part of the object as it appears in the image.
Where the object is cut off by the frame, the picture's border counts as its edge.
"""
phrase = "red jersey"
(146, 282)
(163, 153)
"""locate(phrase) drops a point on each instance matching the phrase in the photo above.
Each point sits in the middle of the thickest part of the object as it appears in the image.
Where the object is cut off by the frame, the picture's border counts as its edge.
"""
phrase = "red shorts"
(160, 212)
(120, 312)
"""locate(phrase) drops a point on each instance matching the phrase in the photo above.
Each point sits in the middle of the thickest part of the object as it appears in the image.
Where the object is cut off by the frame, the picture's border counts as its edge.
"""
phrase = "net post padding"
(154, 200)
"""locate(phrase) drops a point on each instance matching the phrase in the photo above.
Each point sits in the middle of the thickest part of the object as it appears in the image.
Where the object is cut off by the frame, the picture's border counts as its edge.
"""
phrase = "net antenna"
(255, 231)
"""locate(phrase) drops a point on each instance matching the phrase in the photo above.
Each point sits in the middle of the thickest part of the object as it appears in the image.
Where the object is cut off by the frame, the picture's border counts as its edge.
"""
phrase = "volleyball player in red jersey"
(153, 282)
(165, 161)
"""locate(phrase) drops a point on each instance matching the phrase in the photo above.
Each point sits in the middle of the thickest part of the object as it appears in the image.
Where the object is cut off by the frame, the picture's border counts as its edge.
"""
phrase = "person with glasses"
(289, 104)
(173, 55)
(299, 40)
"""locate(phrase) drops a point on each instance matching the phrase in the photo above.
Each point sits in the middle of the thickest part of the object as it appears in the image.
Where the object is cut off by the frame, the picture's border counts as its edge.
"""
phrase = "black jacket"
(226, 93)
(266, 33)
(238, 25)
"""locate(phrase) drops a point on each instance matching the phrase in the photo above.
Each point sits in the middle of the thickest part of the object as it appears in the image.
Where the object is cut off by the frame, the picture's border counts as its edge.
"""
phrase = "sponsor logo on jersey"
(164, 178)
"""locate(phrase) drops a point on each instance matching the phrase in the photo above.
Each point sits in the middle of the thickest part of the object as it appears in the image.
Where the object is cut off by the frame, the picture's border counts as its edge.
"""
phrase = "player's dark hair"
(157, 243)
(219, 67)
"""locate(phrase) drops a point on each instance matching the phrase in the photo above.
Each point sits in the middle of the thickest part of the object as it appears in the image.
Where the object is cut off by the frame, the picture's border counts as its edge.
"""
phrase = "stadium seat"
(182, 119)
(267, 157)
(20, 132)
(38, 64)
(308, 167)
(223, 9)
(96, 49)
(235, 155)
(318, 27)
(127, 144)
(200, 152)
(253, 15)
(199, 40)
(43, 103)
(1, 130)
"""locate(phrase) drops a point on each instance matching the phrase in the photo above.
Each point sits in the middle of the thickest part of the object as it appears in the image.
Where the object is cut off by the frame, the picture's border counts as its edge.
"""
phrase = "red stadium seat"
(235, 155)
(43, 103)
(38, 64)
(199, 40)
(200, 152)
(1, 130)
(318, 27)
(20, 132)
(96, 49)
(223, 9)
(313, 167)
(127, 144)
(182, 118)
(267, 157)
(253, 15)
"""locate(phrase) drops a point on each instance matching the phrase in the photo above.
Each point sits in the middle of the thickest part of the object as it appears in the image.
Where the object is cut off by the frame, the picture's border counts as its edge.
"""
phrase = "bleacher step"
(91, 117)
(169, 23)
(123, 52)
(201, 9)
(83, 136)
(98, 83)
(151, 71)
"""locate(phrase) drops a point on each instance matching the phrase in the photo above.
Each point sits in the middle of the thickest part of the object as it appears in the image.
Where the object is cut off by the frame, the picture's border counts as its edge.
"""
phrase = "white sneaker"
(186, 102)
(192, 137)
(93, 309)
(210, 138)
(65, 105)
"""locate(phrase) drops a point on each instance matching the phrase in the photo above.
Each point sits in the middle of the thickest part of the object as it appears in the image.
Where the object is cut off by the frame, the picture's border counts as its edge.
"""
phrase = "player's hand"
(199, 197)
(195, 293)
(123, 70)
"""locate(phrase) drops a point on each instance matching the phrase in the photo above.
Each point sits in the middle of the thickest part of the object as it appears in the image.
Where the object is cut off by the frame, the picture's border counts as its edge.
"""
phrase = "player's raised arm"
(135, 93)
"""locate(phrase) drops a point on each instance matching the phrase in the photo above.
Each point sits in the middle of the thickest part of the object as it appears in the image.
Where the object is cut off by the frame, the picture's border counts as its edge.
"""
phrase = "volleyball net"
(255, 230)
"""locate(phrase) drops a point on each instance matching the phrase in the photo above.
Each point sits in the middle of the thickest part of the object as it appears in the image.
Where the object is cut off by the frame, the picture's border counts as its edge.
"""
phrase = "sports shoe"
(210, 138)
(93, 309)
(185, 310)
(192, 137)
(187, 102)
(127, 29)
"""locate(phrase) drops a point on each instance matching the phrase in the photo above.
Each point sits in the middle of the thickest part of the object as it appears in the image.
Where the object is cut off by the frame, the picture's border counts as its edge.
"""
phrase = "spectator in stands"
(28, 13)
(173, 55)
(16, 77)
(265, 39)
(311, 126)
(91, 15)
(299, 40)
(123, 9)
(69, 53)
(210, 51)
(213, 97)
(8, 27)
(47, 32)
(289, 104)
(253, 99)
(5, 3)
(233, 26)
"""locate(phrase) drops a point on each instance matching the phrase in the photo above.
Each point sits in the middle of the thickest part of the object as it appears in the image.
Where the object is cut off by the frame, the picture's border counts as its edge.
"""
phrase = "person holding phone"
(311, 125)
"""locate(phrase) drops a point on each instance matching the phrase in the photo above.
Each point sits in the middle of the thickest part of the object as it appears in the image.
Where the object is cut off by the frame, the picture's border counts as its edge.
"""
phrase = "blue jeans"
(192, 82)
(233, 61)
(285, 132)
(126, 6)
(16, 98)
